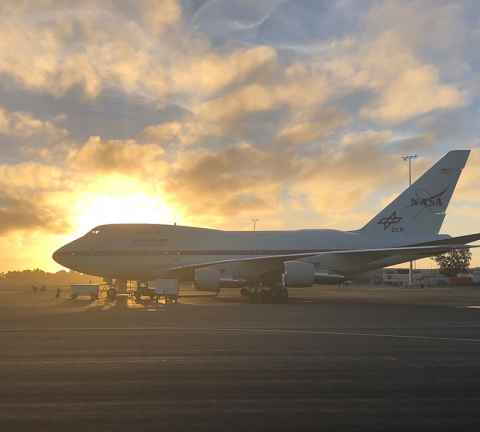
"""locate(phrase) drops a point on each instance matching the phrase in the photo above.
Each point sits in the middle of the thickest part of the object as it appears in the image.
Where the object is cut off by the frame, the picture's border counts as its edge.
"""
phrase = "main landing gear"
(115, 287)
(263, 294)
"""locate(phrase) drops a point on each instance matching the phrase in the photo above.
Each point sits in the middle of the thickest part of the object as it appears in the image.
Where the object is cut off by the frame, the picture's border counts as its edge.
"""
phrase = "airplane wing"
(334, 260)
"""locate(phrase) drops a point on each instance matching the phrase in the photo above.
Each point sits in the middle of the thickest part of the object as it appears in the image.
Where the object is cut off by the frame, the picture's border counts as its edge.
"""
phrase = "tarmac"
(352, 358)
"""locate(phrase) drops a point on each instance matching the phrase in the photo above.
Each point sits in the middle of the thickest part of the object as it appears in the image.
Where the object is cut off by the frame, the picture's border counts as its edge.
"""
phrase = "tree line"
(41, 277)
(454, 262)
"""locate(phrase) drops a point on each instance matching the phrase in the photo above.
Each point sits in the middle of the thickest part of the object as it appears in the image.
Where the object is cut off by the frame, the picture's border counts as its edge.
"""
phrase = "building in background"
(428, 277)
(420, 277)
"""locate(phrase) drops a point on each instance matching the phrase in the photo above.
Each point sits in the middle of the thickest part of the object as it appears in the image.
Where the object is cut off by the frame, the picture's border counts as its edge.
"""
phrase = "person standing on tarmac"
(57, 295)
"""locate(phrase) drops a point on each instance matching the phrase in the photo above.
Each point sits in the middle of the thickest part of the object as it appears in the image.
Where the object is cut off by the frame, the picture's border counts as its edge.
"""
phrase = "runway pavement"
(322, 362)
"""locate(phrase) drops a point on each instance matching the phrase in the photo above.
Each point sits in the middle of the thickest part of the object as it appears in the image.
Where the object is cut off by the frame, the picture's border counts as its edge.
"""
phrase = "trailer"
(85, 290)
(158, 289)
(166, 288)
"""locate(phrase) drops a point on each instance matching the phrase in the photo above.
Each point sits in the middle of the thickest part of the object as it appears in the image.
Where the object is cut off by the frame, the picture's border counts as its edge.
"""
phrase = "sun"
(119, 199)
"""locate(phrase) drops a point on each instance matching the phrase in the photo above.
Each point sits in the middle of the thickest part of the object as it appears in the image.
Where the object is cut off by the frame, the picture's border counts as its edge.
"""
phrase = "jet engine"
(207, 279)
(298, 274)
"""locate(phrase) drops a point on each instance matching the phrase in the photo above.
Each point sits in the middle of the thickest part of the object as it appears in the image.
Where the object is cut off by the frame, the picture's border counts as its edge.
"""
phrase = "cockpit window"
(95, 231)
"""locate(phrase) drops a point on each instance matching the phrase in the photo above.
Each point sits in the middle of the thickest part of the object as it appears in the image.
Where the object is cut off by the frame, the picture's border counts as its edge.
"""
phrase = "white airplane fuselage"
(144, 251)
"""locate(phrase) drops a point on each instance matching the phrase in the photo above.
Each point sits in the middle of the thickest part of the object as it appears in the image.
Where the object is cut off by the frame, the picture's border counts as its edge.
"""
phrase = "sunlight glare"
(119, 199)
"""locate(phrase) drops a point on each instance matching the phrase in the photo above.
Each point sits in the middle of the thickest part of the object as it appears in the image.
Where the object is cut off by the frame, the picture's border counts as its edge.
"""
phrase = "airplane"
(264, 264)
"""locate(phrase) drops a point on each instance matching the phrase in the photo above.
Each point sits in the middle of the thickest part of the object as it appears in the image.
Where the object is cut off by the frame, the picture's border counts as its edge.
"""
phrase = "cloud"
(227, 109)
(211, 72)
(27, 177)
(24, 214)
(308, 127)
(345, 181)
(144, 49)
(24, 125)
(28, 193)
(24, 136)
(232, 16)
(428, 27)
(402, 86)
(297, 88)
(159, 15)
(418, 49)
(178, 134)
(100, 157)
(243, 179)
(406, 87)
(239, 179)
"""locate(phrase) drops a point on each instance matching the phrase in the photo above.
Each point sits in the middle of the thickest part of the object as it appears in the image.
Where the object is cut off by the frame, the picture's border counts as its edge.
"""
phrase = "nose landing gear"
(111, 294)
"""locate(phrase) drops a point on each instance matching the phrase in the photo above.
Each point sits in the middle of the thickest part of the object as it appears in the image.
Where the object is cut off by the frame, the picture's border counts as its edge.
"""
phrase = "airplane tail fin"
(420, 209)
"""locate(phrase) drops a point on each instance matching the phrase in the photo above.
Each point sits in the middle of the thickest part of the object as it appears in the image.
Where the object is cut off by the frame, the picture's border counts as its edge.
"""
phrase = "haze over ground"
(211, 113)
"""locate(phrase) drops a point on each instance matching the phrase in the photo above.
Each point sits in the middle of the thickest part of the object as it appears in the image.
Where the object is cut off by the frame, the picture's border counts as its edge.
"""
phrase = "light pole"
(255, 220)
(409, 158)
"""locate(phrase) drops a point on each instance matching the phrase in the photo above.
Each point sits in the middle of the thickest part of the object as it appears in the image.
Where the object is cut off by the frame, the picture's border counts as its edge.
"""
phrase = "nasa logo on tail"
(429, 201)
(391, 220)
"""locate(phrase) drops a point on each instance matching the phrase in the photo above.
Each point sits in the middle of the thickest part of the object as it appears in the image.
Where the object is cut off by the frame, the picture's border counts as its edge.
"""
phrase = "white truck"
(82, 290)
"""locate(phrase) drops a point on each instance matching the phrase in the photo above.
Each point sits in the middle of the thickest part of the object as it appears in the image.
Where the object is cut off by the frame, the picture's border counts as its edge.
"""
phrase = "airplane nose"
(56, 255)
(60, 254)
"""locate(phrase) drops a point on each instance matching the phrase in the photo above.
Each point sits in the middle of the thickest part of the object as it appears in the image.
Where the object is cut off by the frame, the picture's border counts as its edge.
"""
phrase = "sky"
(215, 112)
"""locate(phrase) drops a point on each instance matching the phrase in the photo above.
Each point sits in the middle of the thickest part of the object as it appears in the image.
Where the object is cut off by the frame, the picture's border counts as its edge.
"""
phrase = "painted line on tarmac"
(237, 331)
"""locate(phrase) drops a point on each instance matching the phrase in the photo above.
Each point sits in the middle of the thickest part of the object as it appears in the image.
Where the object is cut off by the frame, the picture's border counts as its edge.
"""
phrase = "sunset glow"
(119, 199)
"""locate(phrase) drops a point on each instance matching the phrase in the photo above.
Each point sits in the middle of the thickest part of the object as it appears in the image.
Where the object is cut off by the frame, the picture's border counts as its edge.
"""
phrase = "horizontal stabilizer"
(465, 239)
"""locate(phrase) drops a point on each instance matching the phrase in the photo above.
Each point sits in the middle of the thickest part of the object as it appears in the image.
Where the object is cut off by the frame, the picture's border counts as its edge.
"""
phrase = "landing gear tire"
(112, 294)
